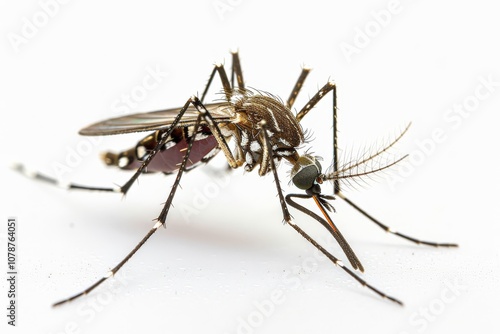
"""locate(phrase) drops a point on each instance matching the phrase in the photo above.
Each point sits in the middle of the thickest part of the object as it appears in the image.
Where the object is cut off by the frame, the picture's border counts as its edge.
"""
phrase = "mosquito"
(264, 131)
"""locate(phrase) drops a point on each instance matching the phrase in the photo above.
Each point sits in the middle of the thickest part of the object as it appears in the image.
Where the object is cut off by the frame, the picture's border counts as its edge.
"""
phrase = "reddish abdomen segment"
(170, 157)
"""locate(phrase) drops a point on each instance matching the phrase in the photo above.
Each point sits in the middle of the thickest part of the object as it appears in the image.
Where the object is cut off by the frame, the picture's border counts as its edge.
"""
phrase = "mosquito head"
(306, 172)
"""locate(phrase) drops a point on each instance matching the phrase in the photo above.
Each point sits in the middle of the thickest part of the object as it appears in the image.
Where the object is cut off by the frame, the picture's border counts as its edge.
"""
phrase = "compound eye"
(305, 172)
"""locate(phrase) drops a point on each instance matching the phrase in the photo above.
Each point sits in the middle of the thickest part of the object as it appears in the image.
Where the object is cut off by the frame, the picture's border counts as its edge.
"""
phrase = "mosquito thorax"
(306, 172)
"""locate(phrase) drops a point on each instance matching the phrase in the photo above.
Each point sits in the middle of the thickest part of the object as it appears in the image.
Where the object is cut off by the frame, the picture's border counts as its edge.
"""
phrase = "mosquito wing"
(156, 120)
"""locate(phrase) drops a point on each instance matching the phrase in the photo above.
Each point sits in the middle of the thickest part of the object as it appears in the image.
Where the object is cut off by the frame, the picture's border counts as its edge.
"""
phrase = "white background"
(209, 272)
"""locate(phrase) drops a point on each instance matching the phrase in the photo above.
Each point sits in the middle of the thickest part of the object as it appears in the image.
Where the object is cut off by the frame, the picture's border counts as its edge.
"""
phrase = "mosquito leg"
(341, 265)
(268, 160)
(218, 68)
(163, 139)
(315, 99)
(123, 189)
(297, 87)
(164, 212)
(44, 178)
(207, 117)
(330, 86)
(198, 103)
(163, 135)
(330, 226)
(113, 271)
(392, 231)
(267, 155)
(337, 191)
(160, 221)
(236, 71)
(228, 90)
(216, 132)
(336, 183)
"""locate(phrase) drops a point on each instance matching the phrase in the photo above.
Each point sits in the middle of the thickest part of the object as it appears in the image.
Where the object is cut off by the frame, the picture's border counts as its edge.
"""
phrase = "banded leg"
(268, 160)
(297, 87)
(160, 221)
(47, 179)
(321, 201)
(198, 103)
(267, 154)
(237, 72)
(218, 68)
(164, 135)
(338, 192)
(341, 265)
(330, 86)
(227, 85)
(392, 231)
